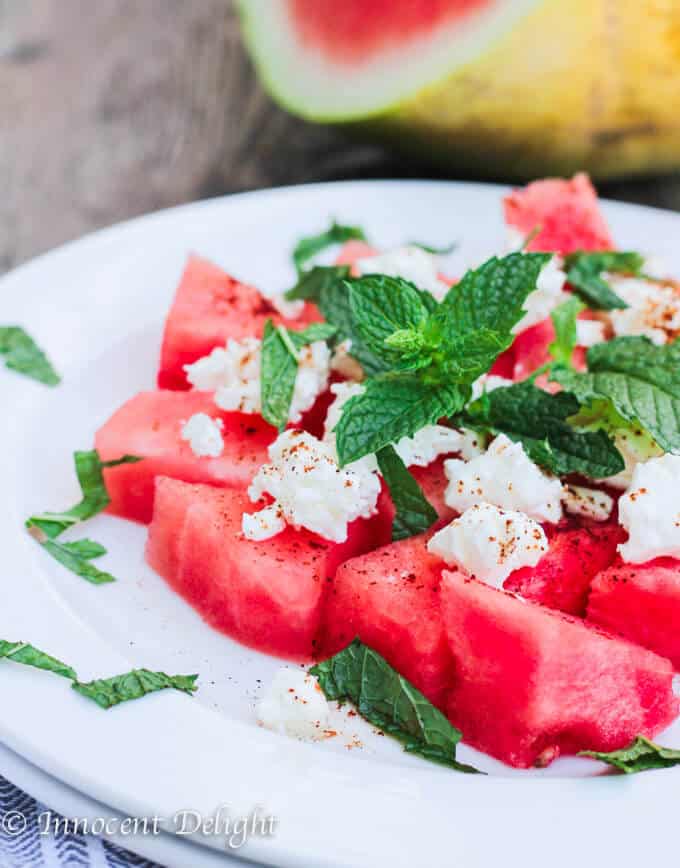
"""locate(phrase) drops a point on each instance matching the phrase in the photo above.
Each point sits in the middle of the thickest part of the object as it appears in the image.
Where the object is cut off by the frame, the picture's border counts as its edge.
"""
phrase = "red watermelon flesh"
(530, 350)
(268, 594)
(532, 683)
(390, 600)
(352, 251)
(561, 579)
(642, 603)
(567, 212)
(149, 425)
(210, 307)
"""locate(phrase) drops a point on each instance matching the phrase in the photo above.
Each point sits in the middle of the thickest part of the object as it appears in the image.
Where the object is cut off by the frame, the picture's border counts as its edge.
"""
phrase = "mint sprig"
(390, 702)
(24, 356)
(585, 270)
(640, 756)
(538, 420)
(640, 380)
(413, 511)
(307, 248)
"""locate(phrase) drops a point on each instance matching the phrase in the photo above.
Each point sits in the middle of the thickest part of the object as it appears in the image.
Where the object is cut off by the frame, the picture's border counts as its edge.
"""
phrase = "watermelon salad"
(453, 498)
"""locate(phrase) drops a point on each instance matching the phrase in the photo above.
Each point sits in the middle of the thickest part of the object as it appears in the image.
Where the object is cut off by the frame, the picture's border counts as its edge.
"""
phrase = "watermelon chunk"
(390, 600)
(267, 595)
(567, 212)
(642, 603)
(532, 683)
(149, 425)
(561, 579)
(210, 307)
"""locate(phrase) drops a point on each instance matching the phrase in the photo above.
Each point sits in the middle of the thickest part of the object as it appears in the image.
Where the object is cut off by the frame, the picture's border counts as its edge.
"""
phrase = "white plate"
(97, 307)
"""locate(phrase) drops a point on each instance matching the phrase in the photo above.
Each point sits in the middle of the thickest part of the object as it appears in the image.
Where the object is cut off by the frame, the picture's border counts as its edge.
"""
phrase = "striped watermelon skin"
(642, 603)
(532, 684)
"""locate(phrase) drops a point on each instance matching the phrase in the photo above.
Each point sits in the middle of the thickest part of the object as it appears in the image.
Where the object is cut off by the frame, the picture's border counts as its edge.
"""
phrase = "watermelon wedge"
(567, 214)
(389, 598)
(209, 307)
(642, 603)
(149, 426)
(561, 579)
(267, 595)
(532, 684)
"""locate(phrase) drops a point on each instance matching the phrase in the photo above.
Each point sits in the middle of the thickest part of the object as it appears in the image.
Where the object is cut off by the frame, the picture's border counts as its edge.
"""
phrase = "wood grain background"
(111, 108)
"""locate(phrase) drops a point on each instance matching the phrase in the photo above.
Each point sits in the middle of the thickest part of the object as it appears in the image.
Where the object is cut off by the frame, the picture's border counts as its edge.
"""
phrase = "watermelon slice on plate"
(149, 425)
(389, 598)
(532, 683)
(561, 579)
(642, 603)
(267, 595)
(210, 307)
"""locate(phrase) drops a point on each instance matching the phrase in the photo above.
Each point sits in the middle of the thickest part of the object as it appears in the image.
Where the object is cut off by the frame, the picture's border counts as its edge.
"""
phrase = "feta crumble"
(204, 435)
(410, 263)
(549, 293)
(505, 477)
(589, 332)
(294, 705)
(310, 490)
(653, 309)
(233, 373)
(587, 502)
(650, 511)
(490, 543)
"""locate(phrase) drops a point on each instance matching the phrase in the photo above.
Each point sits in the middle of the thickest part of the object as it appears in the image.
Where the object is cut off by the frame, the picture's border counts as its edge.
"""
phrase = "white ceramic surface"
(97, 307)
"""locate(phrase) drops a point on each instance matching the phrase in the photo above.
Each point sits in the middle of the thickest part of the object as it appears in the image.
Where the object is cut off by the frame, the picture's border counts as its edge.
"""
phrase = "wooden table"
(110, 108)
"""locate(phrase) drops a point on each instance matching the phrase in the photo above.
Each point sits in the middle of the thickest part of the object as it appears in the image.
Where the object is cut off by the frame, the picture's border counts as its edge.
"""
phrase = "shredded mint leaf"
(308, 248)
(641, 756)
(311, 283)
(390, 702)
(584, 273)
(392, 406)
(538, 420)
(639, 379)
(107, 692)
(23, 355)
(435, 251)
(564, 322)
(28, 655)
(317, 331)
(76, 557)
(492, 296)
(414, 512)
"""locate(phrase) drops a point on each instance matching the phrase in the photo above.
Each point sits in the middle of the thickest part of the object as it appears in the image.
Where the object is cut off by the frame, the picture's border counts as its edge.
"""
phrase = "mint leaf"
(277, 376)
(312, 283)
(390, 702)
(468, 356)
(639, 379)
(381, 305)
(392, 406)
(564, 322)
(307, 248)
(414, 512)
(435, 251)
(584, 273)
(538, 420)
(107, 692)
(641, 756)
(316, 331)
(23, 355)
(28, 655)
(492, 296)
(85, 548)
(76, 557)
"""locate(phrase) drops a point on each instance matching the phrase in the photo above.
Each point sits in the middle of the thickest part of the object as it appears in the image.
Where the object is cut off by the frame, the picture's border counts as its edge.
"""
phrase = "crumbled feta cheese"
(204, 435)
(635, 445)
(266, 523)
(488, 383)
(503, 476)
(650, 511)
(294, 705)
(420, 450)
(234, 375)
(310, 490)
(587, 502)
(546, 297)
(344, 364)
(410, 263)
(589, 332)
(655, 267)
(490, 543)
(653, 309)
